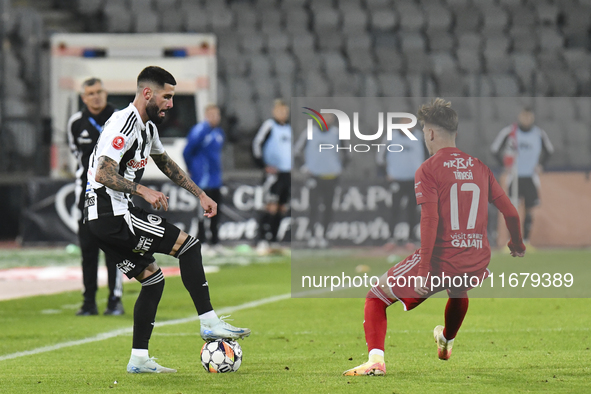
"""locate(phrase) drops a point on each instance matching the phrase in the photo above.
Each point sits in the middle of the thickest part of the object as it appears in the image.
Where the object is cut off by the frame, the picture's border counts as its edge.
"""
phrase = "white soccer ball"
(221, 356)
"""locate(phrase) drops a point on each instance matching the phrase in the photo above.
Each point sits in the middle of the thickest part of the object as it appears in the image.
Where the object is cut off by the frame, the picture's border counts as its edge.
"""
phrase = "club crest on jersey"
(137, 164)
(154, 219)
(118, 143)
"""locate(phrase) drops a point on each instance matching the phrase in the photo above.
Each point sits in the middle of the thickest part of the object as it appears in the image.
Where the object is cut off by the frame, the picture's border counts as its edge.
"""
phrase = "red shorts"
(401, 281)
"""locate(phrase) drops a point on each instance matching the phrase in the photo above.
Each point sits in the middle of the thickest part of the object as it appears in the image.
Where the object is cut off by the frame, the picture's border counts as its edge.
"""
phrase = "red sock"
(375, 323)
(455, 310)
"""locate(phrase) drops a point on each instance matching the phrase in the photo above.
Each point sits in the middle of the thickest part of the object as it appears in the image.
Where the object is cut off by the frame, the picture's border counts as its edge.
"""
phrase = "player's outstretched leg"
(193, 276)
(144, 315)
(455, 311)
(375, 325)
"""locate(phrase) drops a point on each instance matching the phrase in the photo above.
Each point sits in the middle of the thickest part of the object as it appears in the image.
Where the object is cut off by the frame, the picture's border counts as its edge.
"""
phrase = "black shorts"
(277, 188)
(528, 191)
(133, 238)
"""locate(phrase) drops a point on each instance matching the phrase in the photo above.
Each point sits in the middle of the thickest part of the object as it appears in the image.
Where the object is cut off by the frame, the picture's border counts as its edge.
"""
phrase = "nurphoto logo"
(344, 127)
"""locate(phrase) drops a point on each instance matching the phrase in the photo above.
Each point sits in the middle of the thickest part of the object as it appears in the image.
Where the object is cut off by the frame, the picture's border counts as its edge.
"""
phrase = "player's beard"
(152, 110)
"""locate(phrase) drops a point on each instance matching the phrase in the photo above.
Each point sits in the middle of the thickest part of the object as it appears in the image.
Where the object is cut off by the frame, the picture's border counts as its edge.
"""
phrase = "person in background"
(203, 156)
(400, 166)
(84, 129)
(325, 169)
(523, 148)
(271, 149)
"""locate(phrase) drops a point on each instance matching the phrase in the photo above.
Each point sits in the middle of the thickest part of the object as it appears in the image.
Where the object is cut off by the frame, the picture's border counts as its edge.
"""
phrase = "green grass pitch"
(301, 345)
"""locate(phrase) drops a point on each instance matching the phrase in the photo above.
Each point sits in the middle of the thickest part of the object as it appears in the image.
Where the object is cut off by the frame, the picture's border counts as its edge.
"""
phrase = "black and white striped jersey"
(128, 141)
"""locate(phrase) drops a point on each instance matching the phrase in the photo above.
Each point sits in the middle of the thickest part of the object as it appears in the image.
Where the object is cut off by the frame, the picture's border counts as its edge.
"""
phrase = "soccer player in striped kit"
(131, 235)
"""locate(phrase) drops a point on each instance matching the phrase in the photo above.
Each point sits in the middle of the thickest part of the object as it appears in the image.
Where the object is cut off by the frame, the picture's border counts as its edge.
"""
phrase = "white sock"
(140, 353)
(377, 352)
(208, 315)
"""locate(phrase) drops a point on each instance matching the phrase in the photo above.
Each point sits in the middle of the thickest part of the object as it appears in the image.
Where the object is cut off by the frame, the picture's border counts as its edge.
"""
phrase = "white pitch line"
(121, 331)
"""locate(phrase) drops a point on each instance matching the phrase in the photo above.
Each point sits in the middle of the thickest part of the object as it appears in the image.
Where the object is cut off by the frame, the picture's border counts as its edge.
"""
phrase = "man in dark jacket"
(84, 129)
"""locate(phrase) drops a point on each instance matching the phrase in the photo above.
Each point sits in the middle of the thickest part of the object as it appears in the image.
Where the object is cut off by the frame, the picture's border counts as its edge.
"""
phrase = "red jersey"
(461, 186)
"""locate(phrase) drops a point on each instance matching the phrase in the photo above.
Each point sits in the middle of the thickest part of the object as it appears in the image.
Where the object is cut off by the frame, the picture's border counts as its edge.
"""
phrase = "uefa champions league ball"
(221, 356)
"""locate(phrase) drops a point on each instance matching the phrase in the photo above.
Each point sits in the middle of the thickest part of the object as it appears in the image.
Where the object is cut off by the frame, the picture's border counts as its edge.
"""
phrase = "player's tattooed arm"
(176, 174)
(107, 174)
(180, 177)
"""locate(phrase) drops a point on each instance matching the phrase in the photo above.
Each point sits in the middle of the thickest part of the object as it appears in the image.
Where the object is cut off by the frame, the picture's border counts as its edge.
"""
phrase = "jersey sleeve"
(425, 185)
(157, 147)
(494, 189)
(113, 143)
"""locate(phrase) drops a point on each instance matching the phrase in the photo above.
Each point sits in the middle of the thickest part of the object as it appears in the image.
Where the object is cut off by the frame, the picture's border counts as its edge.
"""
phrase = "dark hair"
(527, 108)
(438, 112)
(91, 81)
(156, 75)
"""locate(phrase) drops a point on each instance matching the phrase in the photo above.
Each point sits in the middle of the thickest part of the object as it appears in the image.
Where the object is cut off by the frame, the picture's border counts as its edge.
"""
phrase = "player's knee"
(189, 248)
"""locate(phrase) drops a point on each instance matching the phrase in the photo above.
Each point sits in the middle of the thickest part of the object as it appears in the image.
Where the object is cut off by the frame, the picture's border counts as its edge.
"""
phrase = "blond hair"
(439, 113)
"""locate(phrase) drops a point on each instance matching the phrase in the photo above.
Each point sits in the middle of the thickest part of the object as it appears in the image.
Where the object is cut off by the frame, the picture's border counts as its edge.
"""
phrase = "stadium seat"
(373, 4)
(450, 84)
(277, 42)
(550, 39)
(265, 88)
(392, 85)
(469, 61)
(24, 135)
(316, 85)
(260, 65)
(470, 41)
(361, 60)
(284, 64)
(239, 88)
(139, 5)
(565, 109)
(443, 62)
(495, 19)
(172, 20)
(505, 85)
(439, 40)
(297, 21)
(118, 20)
(369, 86)
(146, 21)
(547, 14)
(524, 65)
(468, 19)
(383, 19)
(326, 19)
(411, 17)
(438, 18)
(354, 21)
(248, 117)
(497, 61)
(389, 60)
(252, 42)
(330, 40)
(270, 20)
(333, 62)
(246, 21)
(478, 85)
(195, 19)
(302, 43)
(89, 7)
(562, 84)
(524, 39)
(345, 84)
(220, 20)
(286, 86)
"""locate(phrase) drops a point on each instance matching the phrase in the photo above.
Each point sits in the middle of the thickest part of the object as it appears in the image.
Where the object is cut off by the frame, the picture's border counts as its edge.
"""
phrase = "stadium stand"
(270, 48)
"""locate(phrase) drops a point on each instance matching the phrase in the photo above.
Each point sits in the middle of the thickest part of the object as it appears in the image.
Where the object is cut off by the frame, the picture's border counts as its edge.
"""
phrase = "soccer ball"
(221, 356)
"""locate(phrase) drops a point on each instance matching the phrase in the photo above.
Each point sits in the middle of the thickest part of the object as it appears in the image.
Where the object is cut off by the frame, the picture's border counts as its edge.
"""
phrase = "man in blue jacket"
(203, 156)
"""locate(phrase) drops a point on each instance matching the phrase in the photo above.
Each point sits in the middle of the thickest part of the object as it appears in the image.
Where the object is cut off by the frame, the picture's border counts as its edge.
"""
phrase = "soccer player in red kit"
(453, 189)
